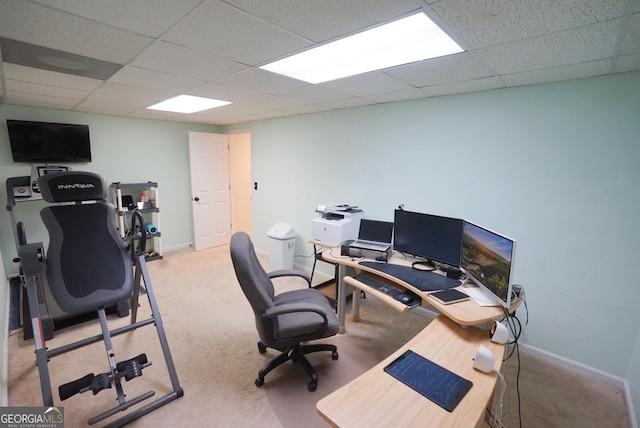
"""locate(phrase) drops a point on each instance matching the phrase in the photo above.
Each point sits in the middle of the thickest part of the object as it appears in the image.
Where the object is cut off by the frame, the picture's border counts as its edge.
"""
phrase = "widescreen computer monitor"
(487, 259)
(430, 237)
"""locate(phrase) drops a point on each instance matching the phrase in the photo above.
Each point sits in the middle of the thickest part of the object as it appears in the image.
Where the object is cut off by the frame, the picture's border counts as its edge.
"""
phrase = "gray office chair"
(88, 267)
(285, 320)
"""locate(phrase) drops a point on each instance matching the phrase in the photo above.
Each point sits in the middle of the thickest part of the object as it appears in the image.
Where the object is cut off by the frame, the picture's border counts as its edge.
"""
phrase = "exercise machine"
(89, 267)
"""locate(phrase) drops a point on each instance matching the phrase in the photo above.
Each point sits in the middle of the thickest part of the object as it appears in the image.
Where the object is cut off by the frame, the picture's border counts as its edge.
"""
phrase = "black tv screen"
(44, 142)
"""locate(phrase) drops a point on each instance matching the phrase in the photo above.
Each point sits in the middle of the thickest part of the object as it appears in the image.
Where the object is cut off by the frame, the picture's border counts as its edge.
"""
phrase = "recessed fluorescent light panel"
(411, 39)
(188, 104)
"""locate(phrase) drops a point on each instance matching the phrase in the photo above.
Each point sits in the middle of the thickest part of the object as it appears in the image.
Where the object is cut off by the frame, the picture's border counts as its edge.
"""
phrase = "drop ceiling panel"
(481, 24)
(316, 93)
(213, 48)
(53, 91)
(111, 106)
(225, 92)
(628, 63)
(154, 79)
(277, 103)
(631, 41)
(452, 68)
(345, 103)
(117, 90)
(222, 30)
(262, 81)
(368, 84)
(180, 61)
(583, 44)
(50, 78)
(41, 100)
(556, 74)
(465, 86)
(320, 21)
(127, 102)
(144, 113)
(40, 25)
(149, 17)
(409, 94)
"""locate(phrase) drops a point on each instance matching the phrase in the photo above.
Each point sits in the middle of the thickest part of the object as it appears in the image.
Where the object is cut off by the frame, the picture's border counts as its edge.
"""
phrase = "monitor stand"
(425, 265)
(481, 296)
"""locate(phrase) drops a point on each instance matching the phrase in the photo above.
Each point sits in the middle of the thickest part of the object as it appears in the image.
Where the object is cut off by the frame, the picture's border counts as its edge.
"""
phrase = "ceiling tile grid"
(574, 46)
(213, 48)
(482, 23)
(222, 30)
(28, 22)
(150, 17)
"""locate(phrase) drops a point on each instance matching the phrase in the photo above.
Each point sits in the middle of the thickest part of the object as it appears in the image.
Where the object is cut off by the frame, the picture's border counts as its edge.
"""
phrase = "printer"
(336, 223)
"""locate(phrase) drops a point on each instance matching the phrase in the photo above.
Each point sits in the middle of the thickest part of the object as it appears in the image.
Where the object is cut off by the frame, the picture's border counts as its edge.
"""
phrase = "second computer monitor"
(427, 236)
(375, 230)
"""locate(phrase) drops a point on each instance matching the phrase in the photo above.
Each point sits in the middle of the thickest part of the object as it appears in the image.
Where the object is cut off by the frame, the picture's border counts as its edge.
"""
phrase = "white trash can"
(281, 246)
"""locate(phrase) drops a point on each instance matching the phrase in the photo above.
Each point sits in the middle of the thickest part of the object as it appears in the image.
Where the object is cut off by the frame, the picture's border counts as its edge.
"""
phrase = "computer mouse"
(406, 299)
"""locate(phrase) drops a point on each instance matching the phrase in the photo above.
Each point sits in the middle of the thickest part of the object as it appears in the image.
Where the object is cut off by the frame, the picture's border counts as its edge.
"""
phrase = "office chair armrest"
(290, 272)
(293, 308)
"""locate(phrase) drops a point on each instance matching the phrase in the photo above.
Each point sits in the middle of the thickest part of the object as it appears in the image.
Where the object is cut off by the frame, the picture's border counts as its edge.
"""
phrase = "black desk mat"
(421, 279)
(438, 384)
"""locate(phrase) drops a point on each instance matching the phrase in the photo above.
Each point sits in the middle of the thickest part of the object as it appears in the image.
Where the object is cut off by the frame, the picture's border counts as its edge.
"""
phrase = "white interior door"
(209, 159)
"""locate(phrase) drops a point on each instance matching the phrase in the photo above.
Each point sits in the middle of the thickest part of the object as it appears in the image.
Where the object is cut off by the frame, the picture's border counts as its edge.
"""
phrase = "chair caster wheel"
(259, 382)
(312, 386)
(334, 355)
(262, 348)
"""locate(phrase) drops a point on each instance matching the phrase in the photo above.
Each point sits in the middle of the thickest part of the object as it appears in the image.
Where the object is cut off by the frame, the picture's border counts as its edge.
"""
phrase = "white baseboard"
(177, 247)
(575, 366)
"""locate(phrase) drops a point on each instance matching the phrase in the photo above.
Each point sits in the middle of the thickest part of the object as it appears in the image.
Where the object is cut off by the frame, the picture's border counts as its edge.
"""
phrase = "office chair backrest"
(88, 265)
(253, 279)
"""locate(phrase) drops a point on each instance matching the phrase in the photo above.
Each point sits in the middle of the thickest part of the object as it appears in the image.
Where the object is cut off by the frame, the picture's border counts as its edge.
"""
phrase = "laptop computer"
(374, 235)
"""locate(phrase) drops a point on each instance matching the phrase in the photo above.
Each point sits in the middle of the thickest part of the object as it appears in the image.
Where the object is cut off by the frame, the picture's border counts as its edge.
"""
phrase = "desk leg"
(355, 316)
(342, 297)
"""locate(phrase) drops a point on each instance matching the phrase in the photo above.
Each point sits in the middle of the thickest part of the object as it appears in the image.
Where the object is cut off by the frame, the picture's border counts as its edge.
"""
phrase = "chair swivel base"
(296, 353)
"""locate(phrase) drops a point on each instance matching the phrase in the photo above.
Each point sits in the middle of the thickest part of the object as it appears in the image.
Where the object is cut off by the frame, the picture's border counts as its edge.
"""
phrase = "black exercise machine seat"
(88, 265)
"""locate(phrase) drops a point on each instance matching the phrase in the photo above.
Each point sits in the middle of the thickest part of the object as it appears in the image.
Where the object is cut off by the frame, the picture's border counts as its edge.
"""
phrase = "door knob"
(196, 199)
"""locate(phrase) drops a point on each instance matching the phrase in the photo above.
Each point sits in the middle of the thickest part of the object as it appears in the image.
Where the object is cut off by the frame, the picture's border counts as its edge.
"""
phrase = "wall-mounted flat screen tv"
(45, 142)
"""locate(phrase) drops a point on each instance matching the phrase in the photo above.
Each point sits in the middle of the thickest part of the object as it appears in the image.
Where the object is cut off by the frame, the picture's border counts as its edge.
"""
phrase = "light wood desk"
(464, 313)
(376, 399)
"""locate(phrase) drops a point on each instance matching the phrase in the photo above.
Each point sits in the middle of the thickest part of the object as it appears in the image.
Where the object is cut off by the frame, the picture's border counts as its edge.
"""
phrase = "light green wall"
(555, 166)
(126, 150)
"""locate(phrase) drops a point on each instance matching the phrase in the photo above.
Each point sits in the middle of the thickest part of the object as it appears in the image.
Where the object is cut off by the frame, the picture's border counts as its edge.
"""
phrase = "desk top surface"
(463, 313)
(376, 399)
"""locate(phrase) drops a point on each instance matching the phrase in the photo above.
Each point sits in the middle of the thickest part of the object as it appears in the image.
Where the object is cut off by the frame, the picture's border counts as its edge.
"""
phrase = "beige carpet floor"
(211, 332)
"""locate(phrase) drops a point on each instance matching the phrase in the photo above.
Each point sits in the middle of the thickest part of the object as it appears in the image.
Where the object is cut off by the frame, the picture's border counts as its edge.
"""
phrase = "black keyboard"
(422, 280)
(404, 296)
(375, 283)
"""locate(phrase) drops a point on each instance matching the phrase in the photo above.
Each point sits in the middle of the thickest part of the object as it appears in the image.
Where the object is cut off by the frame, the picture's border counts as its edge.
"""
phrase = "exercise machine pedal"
(132, 368)
(72, 388)
(100, 382)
